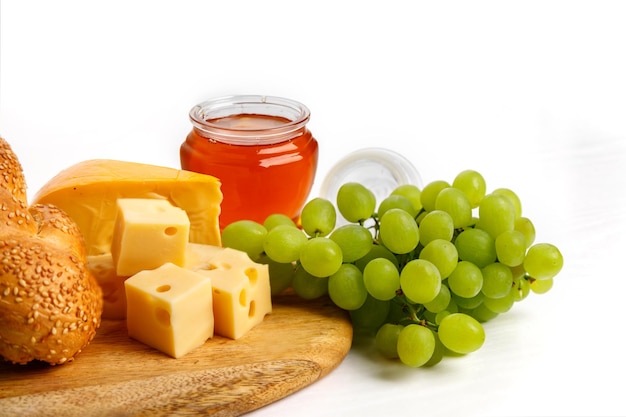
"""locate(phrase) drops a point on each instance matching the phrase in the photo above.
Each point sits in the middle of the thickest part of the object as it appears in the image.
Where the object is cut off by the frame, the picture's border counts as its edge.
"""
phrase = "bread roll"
(50, 304)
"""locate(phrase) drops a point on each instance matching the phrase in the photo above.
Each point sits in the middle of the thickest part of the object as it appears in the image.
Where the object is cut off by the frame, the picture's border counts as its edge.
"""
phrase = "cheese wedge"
(89, 190)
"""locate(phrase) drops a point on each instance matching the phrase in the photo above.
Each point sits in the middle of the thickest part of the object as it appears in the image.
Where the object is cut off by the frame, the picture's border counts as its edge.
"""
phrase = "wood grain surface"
(299, 343)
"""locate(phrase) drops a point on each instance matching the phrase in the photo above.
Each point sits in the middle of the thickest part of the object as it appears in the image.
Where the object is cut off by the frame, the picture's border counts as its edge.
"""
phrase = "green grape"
(438, 353)
(496, 214)
(381, 279)
(281, 274)
(515, 200)
(377, 251)
(502, 304)
(397, 313)
(416, 345)
(466, 280)
(245, 235)
(371, 315)
(443, 254)
(461, 333)
(346, 288)
(541, 286)
(398, 231)
(283, 243)
(429, 316)
(497, 280)
(511, 247)
(473, 184)
(543, 261)
(436, 224)
(518, 271)
(527, 228)
(355, 202)
(439, 316)
(318, 217)
(354, 240)
(483, 314)
(412, 192)
(423, 214)
(468, 303)
(387, 340)
(521, 288)
(420, 281)
(454, 202)
(440, 302)
(430, 192)
(476, 246)
(308, 287)
(396, 201)
(277, 219)
(321, 257)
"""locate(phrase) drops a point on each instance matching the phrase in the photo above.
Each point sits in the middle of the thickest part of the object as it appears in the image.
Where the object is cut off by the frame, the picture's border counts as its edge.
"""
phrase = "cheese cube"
(147, 234)
(113, 292)
(170, 308)
(199, 255)
(241, 292)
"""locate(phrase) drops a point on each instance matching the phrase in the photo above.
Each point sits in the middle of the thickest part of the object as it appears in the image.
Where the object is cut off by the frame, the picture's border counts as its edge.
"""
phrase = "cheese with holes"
(200, 256)
(89, 190)
(170, 309)
(241, 292)
(147, 234)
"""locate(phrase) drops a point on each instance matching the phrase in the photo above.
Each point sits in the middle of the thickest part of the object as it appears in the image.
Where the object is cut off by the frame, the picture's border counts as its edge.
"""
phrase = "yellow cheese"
(147, 234)
(170, 308)
(199, 256)
(113, 292)
(241, 292)
(88, 192)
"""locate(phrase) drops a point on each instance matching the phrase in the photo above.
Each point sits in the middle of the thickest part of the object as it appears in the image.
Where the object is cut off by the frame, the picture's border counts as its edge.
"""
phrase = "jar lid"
(379, 169)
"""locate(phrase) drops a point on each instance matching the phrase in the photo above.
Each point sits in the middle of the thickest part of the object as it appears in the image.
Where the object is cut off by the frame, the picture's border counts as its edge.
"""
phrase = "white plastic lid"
(379, 169)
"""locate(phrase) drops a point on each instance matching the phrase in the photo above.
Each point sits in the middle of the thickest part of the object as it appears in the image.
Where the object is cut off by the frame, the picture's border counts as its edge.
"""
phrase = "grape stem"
(414, 312)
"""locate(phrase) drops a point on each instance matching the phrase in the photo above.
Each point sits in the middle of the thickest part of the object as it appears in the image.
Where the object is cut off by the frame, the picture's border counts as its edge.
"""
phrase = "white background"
(530, 93)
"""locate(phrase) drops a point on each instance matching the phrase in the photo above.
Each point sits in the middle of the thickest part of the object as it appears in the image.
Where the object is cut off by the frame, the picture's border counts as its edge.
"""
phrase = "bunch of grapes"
(420, 270)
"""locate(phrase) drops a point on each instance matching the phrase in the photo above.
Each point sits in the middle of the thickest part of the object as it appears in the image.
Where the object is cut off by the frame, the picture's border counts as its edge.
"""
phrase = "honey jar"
(261, 150)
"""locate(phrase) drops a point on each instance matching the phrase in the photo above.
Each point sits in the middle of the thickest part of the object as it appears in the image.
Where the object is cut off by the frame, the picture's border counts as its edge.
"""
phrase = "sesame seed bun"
(50, 304)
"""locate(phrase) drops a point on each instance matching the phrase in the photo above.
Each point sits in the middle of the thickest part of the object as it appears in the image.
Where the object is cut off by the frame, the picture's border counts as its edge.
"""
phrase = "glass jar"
(259, 148)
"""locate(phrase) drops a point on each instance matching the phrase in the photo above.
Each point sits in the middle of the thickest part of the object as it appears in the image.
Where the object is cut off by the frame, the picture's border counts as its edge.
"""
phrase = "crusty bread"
(50, 304)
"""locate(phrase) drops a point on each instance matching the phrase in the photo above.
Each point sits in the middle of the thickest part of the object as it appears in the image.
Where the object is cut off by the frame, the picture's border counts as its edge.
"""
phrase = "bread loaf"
(50, 304)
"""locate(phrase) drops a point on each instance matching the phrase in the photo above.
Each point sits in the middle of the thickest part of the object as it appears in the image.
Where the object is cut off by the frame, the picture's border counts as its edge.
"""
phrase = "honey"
(260, 149)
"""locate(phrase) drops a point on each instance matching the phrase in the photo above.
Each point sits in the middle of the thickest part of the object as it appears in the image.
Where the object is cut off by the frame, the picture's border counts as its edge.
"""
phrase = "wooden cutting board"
(299, 343)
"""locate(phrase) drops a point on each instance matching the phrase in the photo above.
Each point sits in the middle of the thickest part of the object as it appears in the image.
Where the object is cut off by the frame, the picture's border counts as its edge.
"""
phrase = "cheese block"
(113, 292)
(147, 234)
(241, 292)
(169, 308)
(88, 192)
